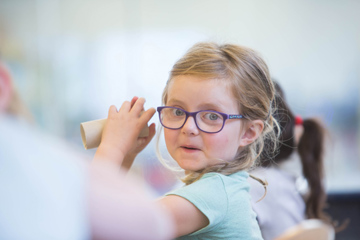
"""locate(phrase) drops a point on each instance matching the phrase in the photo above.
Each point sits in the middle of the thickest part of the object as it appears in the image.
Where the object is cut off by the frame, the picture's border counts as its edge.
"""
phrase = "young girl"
(216, 115)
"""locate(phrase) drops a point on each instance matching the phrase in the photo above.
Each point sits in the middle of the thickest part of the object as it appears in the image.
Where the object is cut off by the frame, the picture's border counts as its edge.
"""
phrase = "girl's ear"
(252, 132)
(5, 88)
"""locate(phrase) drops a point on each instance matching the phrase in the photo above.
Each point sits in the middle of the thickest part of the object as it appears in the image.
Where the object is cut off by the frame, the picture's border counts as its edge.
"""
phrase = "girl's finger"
(152, 131)
(147, 115)
(126, 106)
(133, 100)
(138, 106)
(112, 110)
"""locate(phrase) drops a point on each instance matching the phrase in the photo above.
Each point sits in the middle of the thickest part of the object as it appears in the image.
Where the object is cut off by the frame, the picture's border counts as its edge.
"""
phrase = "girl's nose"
(190, 127)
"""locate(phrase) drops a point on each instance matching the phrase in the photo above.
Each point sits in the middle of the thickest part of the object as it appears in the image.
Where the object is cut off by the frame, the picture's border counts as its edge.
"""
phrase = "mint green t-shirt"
(225, 201)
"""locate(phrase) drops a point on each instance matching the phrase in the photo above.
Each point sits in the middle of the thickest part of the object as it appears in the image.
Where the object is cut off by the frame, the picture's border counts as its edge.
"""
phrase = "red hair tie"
(298, 120)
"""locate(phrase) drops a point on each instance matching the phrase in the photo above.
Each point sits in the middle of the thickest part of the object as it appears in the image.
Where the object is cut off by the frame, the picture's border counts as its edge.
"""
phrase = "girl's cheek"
(170, 137)
(220, 140)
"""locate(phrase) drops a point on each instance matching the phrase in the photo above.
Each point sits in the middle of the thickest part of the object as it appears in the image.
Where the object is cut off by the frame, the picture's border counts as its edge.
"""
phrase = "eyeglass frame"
(193, 114)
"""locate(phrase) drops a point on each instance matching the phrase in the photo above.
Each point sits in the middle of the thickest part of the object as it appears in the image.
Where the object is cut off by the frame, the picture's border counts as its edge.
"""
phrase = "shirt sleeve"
(209, 195)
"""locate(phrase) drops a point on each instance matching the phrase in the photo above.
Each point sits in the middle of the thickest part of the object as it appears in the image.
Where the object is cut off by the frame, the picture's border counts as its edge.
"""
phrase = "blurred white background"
(72, 59)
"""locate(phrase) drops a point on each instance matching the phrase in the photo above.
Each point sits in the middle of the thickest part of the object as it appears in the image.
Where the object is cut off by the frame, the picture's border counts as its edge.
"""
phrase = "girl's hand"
(141, 142)
(120, 134)
(139, 145)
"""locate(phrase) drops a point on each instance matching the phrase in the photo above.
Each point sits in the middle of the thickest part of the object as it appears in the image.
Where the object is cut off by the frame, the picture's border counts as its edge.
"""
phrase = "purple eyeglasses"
(206, 120)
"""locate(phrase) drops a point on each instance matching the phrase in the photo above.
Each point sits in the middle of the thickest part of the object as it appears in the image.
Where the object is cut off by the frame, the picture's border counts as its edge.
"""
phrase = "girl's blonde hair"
(247, 75)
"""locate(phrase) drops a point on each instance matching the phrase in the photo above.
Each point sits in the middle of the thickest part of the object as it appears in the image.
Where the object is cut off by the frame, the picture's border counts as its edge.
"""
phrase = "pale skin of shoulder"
(120, 145)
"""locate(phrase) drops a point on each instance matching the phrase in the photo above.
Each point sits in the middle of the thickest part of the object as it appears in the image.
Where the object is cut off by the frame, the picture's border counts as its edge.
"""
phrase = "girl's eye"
(178, 112)
(212, 116)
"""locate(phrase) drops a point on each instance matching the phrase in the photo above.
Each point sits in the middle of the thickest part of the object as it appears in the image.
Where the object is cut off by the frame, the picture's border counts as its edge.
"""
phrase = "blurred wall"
(72, 59)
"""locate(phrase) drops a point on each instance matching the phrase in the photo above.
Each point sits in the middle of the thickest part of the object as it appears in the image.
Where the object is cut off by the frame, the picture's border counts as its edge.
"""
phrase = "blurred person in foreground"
(292, 196)
(49, 191)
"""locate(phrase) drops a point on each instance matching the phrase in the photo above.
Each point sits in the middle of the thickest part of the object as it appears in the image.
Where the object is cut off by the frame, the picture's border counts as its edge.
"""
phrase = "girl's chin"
(190, 169)
(191, 164)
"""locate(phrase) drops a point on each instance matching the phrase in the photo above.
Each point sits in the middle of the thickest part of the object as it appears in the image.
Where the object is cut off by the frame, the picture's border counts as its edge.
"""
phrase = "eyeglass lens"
(207, 121)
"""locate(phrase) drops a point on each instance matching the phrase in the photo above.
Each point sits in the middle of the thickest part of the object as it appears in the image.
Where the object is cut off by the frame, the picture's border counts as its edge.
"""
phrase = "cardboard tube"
(91, 132)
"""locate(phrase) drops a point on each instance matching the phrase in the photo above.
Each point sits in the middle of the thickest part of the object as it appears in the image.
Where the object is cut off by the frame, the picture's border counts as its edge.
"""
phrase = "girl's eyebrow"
(211, 106)
(205, 106)
(175, 101)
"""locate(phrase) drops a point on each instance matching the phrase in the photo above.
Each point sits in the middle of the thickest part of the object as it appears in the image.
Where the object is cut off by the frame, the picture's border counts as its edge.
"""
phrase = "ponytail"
(310, 149)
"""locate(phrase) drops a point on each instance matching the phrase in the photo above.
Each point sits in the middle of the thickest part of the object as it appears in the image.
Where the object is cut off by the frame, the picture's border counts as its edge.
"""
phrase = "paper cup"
(91, 132)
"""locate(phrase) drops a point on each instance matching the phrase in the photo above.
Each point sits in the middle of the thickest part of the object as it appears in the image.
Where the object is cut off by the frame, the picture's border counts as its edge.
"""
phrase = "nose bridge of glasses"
(193, 122)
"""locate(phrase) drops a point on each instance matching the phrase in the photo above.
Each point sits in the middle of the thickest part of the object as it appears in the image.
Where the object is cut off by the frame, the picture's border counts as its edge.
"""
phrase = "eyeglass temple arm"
(235, 116)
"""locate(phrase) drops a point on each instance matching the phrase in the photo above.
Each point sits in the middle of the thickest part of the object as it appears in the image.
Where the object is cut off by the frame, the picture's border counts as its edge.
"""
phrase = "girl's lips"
(190, 147)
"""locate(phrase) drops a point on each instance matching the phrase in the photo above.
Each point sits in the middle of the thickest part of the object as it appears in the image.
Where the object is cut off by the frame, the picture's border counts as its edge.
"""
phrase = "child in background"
(216, 116)
(284, 200)
(37, 177)
(48, 191)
